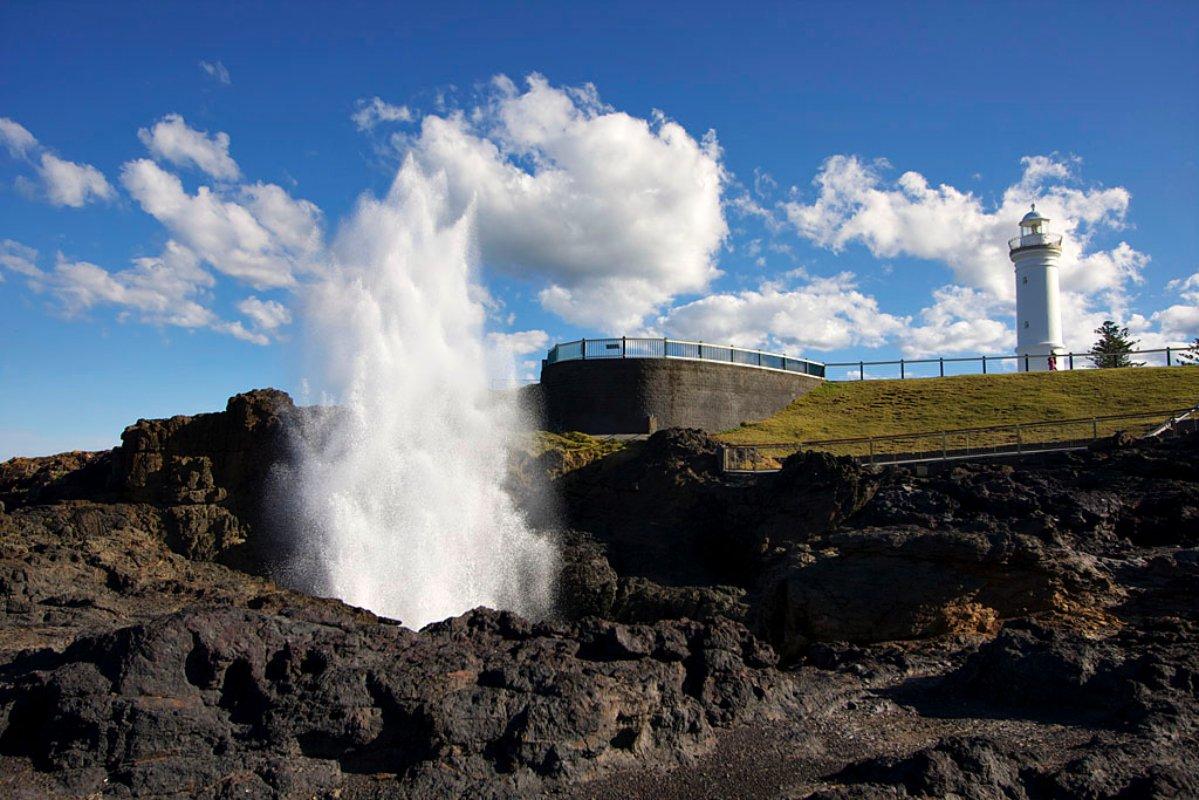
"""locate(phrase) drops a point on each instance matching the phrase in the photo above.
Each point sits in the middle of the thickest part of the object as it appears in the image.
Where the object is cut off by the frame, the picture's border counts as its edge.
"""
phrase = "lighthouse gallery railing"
(640, 347)
(1035, 240)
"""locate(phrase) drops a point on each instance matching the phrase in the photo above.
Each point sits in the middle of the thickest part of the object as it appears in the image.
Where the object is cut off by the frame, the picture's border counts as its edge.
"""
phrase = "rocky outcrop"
(988, 631)
(908, 583)
(202, 702)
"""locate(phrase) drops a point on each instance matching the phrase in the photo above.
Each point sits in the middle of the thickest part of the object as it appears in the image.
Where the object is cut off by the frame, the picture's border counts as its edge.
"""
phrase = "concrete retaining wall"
(637, 395)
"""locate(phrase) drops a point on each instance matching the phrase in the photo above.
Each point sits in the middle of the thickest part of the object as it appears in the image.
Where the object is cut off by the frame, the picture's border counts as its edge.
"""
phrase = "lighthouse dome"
(1033, 217)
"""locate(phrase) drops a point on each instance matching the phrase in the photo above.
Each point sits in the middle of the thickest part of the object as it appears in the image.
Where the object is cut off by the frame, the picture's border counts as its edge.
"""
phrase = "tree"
(1191, 354)
(1113, 347)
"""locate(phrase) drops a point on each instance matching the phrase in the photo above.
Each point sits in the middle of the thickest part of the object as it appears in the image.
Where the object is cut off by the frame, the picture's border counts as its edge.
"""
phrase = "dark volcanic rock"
(589, 587)
(882, 584)
(484, 705)
(966, 768)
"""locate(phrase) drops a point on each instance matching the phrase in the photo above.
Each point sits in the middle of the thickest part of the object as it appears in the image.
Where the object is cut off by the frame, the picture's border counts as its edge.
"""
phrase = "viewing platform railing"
(638, 347)
(907, 368)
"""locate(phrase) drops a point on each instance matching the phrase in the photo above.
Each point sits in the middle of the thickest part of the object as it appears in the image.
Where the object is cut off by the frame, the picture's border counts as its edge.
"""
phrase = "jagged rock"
(589, 587)
(1136, 676)
(883, 584)
(813, 493)
(205, 458)
(50, 479)
(967, 768)
(485, 705)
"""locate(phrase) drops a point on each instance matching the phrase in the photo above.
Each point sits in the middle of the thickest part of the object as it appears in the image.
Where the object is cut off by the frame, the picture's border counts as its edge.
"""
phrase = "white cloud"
(1179, 322)
(613, 214)
(815, 314)
(168, 289)
(63, 183)
(519, 343)
(263, 243)
(19, 258)
(265, 314)
(217, 71)
(239, 331)
(856, 204)
(375, 110)
(960, 321)
(162, 290)
(172, 140)
(69, 184)
(16, 138)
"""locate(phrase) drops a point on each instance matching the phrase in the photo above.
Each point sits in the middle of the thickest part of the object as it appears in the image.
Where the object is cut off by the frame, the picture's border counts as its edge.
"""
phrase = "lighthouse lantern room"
(1036, 252)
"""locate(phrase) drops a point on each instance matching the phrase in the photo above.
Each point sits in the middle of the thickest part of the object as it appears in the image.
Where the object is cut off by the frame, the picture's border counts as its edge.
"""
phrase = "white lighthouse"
(1035, 252)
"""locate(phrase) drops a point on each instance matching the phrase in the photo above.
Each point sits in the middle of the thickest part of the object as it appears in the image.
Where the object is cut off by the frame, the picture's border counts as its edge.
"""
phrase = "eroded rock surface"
(1016, 631)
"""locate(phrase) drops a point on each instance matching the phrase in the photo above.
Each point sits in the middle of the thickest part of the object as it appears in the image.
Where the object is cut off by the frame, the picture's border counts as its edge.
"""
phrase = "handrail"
(1063, 362)
(950, 444)
(646, 347)
(1170, 413)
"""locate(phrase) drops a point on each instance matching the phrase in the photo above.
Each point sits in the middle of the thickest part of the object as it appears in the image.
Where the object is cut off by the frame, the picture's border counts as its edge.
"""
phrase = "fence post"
(901, 373)
(862, 375)
(1168, 364)
(944, 447)
(984, 365)
(624, 347)
(1026, 362)
(871, 443)
(1019, 439)
(1094, 428)
(942, 360)
(583, 348)
(1071, 362)
(759, 358)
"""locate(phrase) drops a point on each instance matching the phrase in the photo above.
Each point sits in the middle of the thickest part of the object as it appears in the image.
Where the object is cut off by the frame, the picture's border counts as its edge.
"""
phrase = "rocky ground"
(827, 631)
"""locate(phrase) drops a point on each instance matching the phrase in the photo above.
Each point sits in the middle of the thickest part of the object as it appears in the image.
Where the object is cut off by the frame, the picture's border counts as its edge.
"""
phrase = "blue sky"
(829, 179)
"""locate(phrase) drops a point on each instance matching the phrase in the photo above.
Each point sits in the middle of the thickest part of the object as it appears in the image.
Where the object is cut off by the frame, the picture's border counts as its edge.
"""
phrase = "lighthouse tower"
(1035, 252)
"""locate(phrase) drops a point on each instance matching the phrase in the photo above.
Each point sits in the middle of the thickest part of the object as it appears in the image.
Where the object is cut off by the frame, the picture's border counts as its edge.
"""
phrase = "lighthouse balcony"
(1035, 240)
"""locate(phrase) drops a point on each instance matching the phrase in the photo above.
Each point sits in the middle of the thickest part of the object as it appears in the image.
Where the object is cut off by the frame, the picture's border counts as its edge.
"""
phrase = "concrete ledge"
(638, 395)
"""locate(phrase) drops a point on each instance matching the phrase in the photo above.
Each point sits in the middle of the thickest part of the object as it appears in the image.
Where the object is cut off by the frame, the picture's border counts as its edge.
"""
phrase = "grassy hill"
(881, 408)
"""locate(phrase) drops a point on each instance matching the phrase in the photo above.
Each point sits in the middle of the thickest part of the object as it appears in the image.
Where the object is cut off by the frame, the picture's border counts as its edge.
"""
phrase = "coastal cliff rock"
(1025, 630)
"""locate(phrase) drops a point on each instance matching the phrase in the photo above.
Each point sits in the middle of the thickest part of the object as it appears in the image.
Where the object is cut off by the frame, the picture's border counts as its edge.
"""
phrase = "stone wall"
(638, 395)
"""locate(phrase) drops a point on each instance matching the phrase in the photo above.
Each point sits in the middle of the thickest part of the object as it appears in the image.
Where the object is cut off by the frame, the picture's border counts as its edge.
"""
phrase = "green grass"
(855, 409)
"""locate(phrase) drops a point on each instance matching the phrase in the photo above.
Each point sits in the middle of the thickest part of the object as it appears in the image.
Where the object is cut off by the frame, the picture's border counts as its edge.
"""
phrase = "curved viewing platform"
(1035, 240)
(630, 347)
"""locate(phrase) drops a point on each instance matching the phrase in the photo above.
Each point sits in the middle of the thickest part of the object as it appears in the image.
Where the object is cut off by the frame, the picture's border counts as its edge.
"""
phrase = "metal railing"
(639, 347)
(1035, 240)
(975, 365)
(1017, 438)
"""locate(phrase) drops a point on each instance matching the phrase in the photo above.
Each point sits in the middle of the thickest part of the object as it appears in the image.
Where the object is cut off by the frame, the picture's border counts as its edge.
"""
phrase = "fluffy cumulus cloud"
(70, 184)
(856, 204)
(804, 313)
(255, 233)
(1179, 322)
(259, 235)
(61, 182)
(168, 289)
(170, 139)
(612, 215)
(371, 112)
(267, 315)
